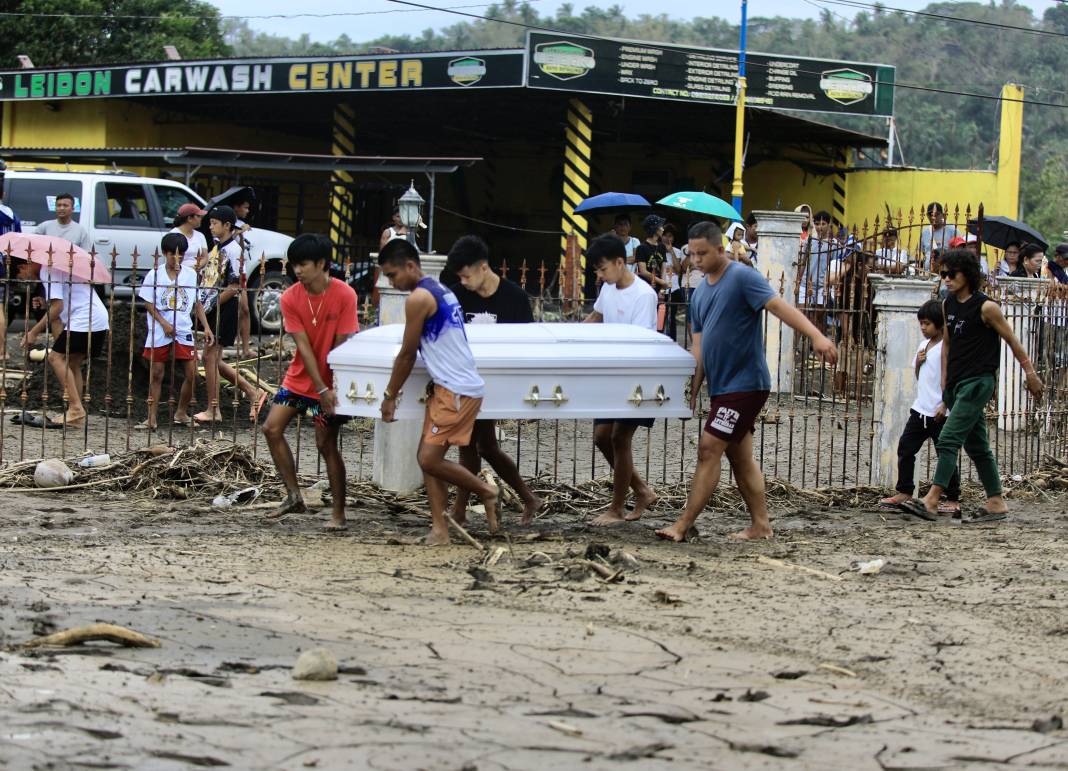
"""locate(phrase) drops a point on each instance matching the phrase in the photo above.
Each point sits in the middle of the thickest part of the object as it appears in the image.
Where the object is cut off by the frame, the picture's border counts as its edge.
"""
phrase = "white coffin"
(546, 371)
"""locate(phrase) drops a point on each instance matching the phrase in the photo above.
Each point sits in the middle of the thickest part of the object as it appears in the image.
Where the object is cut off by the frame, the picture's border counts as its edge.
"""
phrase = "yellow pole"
(739, 145)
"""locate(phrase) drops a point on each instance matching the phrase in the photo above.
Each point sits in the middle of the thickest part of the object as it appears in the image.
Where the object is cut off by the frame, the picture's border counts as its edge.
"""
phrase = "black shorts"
(306, 405)
(635, 422)
(223, 321)
(90, 343)
(732, 416)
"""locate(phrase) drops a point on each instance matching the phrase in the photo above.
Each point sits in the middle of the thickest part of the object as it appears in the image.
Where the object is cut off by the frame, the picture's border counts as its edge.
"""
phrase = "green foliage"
(110, 31)
(1046, 191)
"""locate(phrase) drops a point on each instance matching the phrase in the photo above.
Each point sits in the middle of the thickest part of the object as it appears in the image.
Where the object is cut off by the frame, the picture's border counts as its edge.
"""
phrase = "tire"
(265, 297)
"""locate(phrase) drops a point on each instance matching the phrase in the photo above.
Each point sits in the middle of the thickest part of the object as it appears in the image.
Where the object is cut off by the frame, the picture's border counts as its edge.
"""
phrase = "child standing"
(927, 414)
(170, 297)
(220, 285)
(320, 314)
(971, 354)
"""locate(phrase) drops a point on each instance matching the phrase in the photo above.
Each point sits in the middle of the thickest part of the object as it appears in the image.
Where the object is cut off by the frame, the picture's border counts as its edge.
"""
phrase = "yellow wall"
(903, 190)
(780, 185)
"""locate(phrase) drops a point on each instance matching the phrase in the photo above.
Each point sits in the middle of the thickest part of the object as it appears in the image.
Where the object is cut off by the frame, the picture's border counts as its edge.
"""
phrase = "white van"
(122, 212)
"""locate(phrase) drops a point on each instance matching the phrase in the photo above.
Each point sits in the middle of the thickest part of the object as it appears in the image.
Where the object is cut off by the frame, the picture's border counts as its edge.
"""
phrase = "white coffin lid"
(556, 347)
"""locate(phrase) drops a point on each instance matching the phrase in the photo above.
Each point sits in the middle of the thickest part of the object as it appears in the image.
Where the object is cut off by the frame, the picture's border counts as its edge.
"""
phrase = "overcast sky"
(379, 17)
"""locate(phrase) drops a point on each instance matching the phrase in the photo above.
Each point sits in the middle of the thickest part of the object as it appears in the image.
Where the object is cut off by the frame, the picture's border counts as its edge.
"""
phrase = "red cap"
(187, 209)
(956, 242)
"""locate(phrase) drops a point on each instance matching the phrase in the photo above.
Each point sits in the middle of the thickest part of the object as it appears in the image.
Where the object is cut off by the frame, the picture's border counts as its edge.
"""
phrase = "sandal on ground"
(178, 422)
(917, 508)
(144, 426)
(949, 507)
(890, 504)
(981, 515)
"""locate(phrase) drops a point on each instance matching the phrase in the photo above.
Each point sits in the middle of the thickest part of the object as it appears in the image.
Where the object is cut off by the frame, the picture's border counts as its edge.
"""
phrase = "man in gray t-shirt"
(726, 312)
(64, 226)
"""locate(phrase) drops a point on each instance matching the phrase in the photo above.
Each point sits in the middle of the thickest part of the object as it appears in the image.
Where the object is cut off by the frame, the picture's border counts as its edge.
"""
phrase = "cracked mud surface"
(701, 657)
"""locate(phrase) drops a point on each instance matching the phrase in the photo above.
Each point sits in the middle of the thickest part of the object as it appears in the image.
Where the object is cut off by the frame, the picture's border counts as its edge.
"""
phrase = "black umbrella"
(1001, 231)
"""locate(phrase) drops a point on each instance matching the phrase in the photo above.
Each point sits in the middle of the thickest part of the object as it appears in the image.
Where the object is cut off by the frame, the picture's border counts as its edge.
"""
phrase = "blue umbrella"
(701, 203)
(617, 202)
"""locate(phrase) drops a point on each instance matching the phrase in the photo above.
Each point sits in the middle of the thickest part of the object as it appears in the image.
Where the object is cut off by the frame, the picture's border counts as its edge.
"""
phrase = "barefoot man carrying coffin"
(434, 326)
(725, 312)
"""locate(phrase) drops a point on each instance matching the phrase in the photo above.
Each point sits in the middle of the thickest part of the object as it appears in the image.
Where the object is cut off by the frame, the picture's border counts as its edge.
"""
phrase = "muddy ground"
(954, 656)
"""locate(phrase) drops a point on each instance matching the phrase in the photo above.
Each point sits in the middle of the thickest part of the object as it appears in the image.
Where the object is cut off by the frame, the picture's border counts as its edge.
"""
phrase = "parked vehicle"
(124, 212)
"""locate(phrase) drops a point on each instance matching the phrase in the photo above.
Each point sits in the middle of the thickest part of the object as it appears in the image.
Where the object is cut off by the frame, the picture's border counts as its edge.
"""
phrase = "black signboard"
(394, 72)
(658, 71)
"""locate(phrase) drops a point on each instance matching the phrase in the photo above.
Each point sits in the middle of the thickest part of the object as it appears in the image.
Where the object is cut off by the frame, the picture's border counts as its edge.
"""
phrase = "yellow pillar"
(1010, 145)
(737, 189)
(342, 213)
(578, 150)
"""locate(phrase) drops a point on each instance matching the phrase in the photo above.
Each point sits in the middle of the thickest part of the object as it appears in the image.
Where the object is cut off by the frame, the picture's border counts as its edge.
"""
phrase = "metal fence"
(820, 432)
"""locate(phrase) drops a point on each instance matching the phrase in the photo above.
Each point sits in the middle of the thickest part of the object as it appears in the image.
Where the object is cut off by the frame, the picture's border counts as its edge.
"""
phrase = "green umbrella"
(701, 203)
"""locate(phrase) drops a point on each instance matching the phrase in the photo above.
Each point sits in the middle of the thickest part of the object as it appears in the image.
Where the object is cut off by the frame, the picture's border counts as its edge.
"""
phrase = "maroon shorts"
(732, 416)
(163, 353)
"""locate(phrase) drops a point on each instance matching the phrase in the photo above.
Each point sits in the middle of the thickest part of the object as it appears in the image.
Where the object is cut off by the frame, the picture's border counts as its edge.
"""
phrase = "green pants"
(966, 427)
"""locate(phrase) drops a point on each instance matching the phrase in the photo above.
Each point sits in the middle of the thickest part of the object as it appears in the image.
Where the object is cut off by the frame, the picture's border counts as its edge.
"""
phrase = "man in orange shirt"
(320, 314)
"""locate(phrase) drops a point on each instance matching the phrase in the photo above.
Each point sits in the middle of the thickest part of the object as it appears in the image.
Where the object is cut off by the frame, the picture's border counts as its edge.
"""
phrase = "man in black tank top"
(971, 354)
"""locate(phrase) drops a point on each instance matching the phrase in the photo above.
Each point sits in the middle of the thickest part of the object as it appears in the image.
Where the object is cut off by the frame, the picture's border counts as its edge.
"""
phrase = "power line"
(749, 63)
(265, 17)
(947, 17)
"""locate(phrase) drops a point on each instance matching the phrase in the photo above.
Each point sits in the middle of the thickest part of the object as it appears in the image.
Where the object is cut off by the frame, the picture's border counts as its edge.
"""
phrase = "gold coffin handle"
(534, 397)
(353, 394)
(637, 398)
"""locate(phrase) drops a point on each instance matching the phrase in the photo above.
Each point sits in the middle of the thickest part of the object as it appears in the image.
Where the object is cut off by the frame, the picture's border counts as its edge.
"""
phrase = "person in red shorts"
(726, 313)
(320, 314)
(169, 294)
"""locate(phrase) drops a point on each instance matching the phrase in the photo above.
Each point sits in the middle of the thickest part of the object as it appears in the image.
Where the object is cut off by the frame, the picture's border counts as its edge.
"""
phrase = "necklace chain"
(315, 313)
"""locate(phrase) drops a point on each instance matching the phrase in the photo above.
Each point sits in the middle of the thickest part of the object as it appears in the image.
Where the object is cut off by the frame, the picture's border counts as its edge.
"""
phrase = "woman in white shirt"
(672, 273)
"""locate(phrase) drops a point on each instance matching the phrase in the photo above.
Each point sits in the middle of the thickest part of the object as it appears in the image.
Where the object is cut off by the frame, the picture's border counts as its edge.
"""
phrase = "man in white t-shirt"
(623, 299)
(187, 223)
(78, 321)
(169, 295)
(242, 206)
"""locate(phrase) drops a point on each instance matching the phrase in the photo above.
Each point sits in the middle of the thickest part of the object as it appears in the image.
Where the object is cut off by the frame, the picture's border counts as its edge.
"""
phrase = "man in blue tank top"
(434, 328)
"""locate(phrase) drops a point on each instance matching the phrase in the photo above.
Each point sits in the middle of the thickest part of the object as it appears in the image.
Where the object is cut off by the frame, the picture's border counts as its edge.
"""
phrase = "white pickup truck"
(122, 211)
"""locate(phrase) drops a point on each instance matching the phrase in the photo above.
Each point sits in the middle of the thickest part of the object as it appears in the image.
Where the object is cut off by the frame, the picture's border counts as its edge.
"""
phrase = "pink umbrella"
(57, 254)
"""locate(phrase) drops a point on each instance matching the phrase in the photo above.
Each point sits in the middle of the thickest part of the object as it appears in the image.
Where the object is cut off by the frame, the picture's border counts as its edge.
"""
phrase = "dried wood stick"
(464, 534)
(81, 634)
(94, 483)
(790, 566)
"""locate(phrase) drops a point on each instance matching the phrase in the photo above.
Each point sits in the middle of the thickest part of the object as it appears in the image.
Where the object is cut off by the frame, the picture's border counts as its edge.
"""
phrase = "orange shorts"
(163, 353)
(450, 418)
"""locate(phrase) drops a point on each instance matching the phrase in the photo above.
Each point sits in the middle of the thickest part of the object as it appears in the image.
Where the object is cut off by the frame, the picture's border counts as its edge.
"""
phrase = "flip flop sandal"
(335, 528)
(982, 515)
(949, 508)
(143, 426)
(181, 422)
(889, 504)
(917, 508)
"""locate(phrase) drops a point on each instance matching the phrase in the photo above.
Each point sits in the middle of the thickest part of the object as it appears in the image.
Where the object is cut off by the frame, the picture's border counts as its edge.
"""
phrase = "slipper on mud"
(181, 422)
(981, 515)
(947, 507)
(143, 426)
(917, 508)
(889, 504)
(335, 528)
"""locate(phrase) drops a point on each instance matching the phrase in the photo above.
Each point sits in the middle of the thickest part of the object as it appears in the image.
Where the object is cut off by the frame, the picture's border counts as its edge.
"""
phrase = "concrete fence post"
(395, 444)
(898, 336)
(779, 241)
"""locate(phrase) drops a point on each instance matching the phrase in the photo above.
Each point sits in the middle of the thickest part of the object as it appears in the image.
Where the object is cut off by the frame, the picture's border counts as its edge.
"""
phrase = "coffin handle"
(352, 394)
(638, 398)
(369, 394)
(534, 397)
